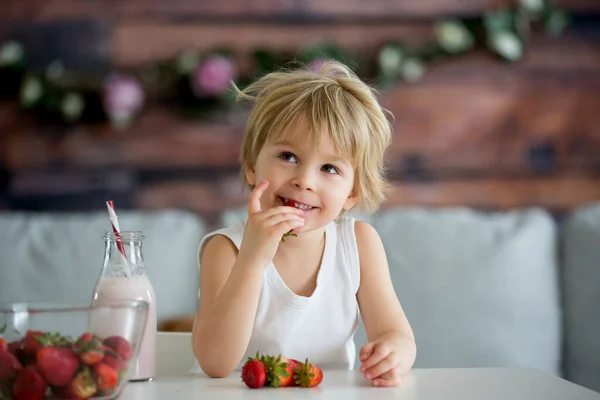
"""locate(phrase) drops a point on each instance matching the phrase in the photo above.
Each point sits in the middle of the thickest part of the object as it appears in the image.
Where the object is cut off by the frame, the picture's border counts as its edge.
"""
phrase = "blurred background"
(496, 106)
(496, 103)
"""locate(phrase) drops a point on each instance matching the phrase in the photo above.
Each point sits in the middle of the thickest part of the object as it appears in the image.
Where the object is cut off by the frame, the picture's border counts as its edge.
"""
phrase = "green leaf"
(287, 235)
(265, 61)
(5, 393)
(498, 21)
(187, 61)
(556, 22)
(329, 51)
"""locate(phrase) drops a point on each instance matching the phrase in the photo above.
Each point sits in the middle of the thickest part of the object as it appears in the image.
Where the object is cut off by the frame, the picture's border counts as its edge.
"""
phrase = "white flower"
(453, 36)
(412, 70)
(123, 97)
(390, 60)
(532, 5)
(10, 53)
(72, 105)
(508, 45)
(31, 91)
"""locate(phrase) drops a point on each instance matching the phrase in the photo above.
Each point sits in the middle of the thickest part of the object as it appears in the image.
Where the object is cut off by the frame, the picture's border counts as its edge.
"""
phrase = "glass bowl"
(69, 350)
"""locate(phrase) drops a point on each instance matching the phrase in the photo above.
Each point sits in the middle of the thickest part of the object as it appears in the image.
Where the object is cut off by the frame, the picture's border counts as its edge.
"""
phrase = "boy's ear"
(250, 175)
(351, 201)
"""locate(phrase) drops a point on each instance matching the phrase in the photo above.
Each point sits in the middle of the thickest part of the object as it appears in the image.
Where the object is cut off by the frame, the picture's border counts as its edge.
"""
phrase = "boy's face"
(313, 175)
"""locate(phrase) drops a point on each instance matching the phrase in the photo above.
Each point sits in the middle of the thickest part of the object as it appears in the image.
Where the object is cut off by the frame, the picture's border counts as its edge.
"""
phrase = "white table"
(420, 384)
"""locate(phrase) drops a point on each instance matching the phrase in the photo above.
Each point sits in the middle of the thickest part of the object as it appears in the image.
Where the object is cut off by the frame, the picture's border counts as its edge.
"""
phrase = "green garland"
(71, 97)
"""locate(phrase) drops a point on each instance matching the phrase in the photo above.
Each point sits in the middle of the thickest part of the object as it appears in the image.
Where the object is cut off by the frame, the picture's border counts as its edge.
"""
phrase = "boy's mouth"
(293, 203)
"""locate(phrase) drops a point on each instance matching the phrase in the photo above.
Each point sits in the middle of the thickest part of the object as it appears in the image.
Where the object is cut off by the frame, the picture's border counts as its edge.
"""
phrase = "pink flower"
(123, 97)
(213, 76)
(316, 64)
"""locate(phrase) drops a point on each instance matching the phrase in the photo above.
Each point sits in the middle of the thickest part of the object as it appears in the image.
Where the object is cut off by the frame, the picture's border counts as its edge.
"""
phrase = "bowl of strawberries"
(69, 351)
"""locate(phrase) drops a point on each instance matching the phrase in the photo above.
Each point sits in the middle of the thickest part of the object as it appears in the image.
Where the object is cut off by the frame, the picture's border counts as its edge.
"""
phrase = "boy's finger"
(377, 355)
(278, 218)
(366, 351)
(380, 368)
(254, 200)
(387, 382)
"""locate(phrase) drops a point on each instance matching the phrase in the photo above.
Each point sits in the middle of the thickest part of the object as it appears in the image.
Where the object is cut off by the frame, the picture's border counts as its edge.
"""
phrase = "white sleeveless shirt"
(320, 327)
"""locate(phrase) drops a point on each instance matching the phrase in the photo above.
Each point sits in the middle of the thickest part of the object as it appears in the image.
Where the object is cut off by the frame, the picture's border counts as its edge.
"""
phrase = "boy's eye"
(330, 169)
(287, 156)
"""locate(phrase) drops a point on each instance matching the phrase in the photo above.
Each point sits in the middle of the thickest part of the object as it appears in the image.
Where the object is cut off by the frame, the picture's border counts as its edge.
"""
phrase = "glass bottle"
(124, 276)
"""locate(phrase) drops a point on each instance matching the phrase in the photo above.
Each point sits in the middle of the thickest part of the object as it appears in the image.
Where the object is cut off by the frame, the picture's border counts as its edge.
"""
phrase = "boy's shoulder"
(357, 230)
(353, 222)
(234, 231)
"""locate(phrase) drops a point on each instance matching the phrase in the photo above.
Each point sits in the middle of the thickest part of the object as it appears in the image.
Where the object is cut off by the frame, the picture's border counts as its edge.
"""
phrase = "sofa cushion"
(59, 256)
(479, 289)
(581, 272)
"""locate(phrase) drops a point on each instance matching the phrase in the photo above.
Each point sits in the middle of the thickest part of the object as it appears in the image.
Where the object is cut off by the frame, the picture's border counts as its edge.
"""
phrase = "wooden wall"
(475, 131)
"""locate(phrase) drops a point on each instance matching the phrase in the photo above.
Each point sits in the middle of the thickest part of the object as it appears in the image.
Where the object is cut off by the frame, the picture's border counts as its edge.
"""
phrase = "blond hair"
(335, 101)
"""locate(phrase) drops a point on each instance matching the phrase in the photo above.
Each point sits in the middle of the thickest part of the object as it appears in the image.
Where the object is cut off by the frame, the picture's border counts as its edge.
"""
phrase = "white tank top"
(320, 327)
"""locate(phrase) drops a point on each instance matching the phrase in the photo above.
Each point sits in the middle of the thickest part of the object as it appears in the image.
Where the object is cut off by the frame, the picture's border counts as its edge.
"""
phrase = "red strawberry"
(9, 365)
(89, 347)
(290, 366)
(308, 375)
(57, 364)
(92, 357)
(106, 376)
(15, 348)
(276, 370)
(254, 372)
(112, 359)
(83, 385)
(120, 345)
(31, 343)
(288, 203)
(86, 337)
(29, 384)
(65, 392)
(3, 344)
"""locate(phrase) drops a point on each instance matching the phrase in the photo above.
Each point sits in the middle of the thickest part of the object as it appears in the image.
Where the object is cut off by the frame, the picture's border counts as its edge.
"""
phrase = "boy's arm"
(230, 284)
(391, 350)
(229, 294)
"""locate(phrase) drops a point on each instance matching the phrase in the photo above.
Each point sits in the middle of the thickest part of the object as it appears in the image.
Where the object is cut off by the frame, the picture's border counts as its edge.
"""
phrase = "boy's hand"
(264, 229)
(382, 363)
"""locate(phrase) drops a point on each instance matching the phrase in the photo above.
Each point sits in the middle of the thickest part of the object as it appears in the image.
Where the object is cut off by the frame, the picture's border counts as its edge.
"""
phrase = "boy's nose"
(304, 181)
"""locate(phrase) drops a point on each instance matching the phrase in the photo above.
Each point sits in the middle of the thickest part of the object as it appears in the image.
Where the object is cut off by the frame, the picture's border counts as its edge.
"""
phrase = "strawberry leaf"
(287, 235)
(5, 393)
(276, 369)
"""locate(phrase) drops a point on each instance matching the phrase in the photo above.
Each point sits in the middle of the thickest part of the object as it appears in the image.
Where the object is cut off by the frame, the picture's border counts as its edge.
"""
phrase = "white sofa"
(480, 289)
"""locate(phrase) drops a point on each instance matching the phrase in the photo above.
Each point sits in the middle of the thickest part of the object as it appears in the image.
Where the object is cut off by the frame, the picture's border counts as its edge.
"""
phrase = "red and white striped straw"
(114, 221)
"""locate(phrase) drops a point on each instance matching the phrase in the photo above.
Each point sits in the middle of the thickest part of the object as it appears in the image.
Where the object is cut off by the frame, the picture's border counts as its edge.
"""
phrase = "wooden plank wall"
(475, 131)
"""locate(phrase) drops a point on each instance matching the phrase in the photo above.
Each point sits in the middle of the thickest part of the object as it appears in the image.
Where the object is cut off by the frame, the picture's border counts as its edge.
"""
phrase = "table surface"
(420, 384)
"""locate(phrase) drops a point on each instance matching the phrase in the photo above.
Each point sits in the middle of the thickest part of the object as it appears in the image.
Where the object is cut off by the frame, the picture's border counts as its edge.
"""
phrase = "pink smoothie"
(138, 288)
